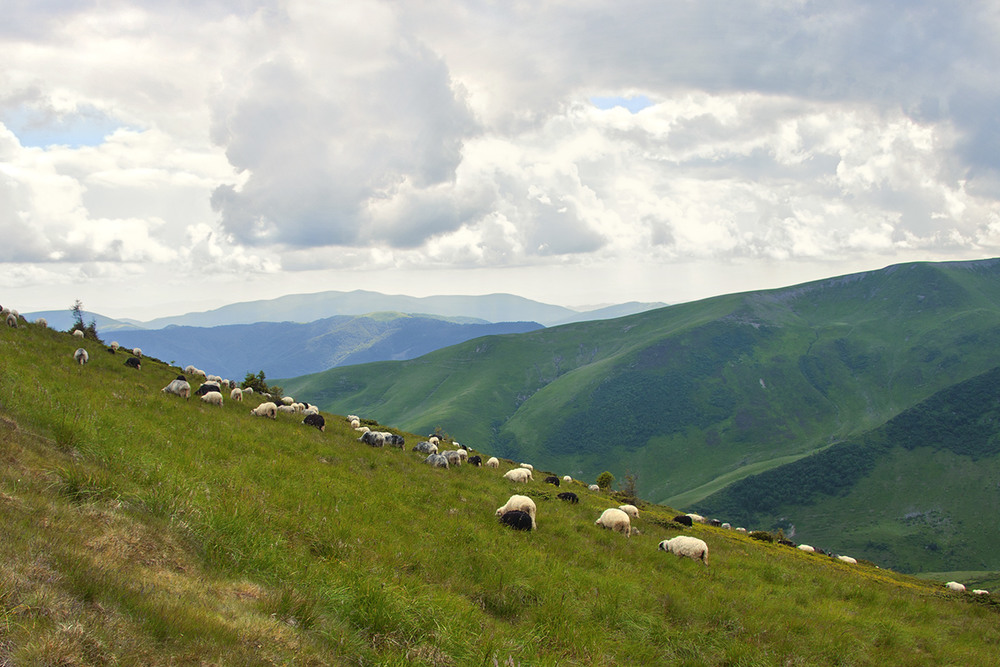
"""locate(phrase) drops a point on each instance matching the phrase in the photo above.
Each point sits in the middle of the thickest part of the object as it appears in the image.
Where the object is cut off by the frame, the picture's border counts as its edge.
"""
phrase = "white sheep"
(727, 526)
(81, 356)
(955, 586)
(493, 462)
(356, 423)
(594, 487)
(265, 410)
(741, 529)
(616, 520)
(696, 517)
(980, 591)
(178, 387)
(434, 440)
(685, 546)
(248, 391)
(848, 560)
(351, 418)
(528, 466)
(518, 475)
(42, 322)
(137, 352)
(212, 398)
(115, 345)
(808, 549)
(522, 503)
(631, 510)
(236, 394)
(76, 332)
(567, 478)
(12, 321)
(311, 410)
(463, 454)
(454, 459)
(287, 400)
(286, 408)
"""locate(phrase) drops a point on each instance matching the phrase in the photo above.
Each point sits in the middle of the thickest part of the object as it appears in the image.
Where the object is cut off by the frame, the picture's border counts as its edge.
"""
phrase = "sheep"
(351, 418)
(76, 332)
(287, 400)
(248, 391)
(81, 356)
(594, 487)
(424, 447)
(808, 549)
(569, 497)
(373, 438)
(213, 398)
(518, 475)
(715, 522)
(115, 345)
(362, 429)
(493, 462)
(517, 520)
(316, 420)
(727, 526)
(133, 362)
(206, 387)
(551, 479)
(684, 520)
(685, 546)
(12, 321)
(616, 520)
(528, 466)
(522, 503)
(463, 453)
(394, 440)
(137, 352)
(355, 423)
(847, 559)
(310, 411)
(476, 460)
(631, 510)
(190, 369)
(741, 529)
(567, 479)
(265, 410)
(286, 409)
(236, 394)
(697, 518)
(178, 387)
(955, 586)
(980, 591)
(42, 322)
(454, 459)
(434, 440)
(436, 461)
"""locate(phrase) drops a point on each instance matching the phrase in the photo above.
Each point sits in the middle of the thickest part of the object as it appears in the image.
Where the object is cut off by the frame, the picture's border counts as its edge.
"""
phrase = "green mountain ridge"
(694, 397)
(141, 528)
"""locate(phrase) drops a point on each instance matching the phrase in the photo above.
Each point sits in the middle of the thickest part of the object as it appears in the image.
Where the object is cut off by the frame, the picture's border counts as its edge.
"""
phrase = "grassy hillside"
(917, 494)
(140, 528)
(695, 396)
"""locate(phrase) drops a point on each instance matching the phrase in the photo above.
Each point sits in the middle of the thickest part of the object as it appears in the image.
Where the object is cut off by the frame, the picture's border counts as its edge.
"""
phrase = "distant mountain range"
(695, 397)
(287, 349)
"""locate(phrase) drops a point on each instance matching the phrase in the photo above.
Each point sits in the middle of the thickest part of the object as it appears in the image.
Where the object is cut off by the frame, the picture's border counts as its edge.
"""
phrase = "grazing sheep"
(190, 369)
(287, 400)
(373, 438)
(213, 398)
(476, 460)
(696, 517)
(594, 487)
(42, 322)
(684, 520)
(355, 423)
(517, 520)
(425, 448)
(741, 529)
(727, 526)
(248, 391)
(76, 332)
(115, 345)
(980, 591)
(434, 440)
(631, 510)
(351, 418)
(685, 546)
(493, 462)
(178, 387)
(310, 411)
(316, 420)
(616, 520)
(521, 503)
(137, 352)
(551, 479)
(133, 362)
(206, 387)
(567, 478)
(847, 559)
(436, 461)
(808, 549)
(81, 356)
(528, 466)
(265, 410)
(236, 394)
(518, 475)
(715, 522)
(569, 497)
(12, 321)
(286, 409)
(454, 459)
(394, 440)
(955, 586)
(463, 453)
(364, 429)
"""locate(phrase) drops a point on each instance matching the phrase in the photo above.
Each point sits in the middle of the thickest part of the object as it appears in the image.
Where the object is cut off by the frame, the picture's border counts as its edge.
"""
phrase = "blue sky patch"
(632, 104)
(38, 128)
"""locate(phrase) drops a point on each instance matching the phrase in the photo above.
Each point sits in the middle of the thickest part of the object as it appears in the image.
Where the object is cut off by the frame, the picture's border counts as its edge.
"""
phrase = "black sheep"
(476, 460)
(568, 496)
(315, 420)
(683, 519)
(133, 362)
(205, 388)
(552, 479)
(517, 520)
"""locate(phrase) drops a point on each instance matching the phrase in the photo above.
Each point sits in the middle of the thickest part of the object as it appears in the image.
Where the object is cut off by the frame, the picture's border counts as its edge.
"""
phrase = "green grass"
(140, 528)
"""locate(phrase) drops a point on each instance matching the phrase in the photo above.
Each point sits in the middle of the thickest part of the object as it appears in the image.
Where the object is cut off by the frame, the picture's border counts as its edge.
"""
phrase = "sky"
(162, 157)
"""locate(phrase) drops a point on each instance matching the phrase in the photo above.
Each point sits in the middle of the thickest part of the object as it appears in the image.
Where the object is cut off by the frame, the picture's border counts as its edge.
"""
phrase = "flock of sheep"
(519, 512)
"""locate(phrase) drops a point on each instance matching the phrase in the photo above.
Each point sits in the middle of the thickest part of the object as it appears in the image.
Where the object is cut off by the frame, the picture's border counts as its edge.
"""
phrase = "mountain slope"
(285, 349)
(920, 493)
(697, 394)
(139, 528)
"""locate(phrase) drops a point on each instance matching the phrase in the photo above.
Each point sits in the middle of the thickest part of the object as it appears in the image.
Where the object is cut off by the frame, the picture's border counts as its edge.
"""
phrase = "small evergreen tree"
(605, 480)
